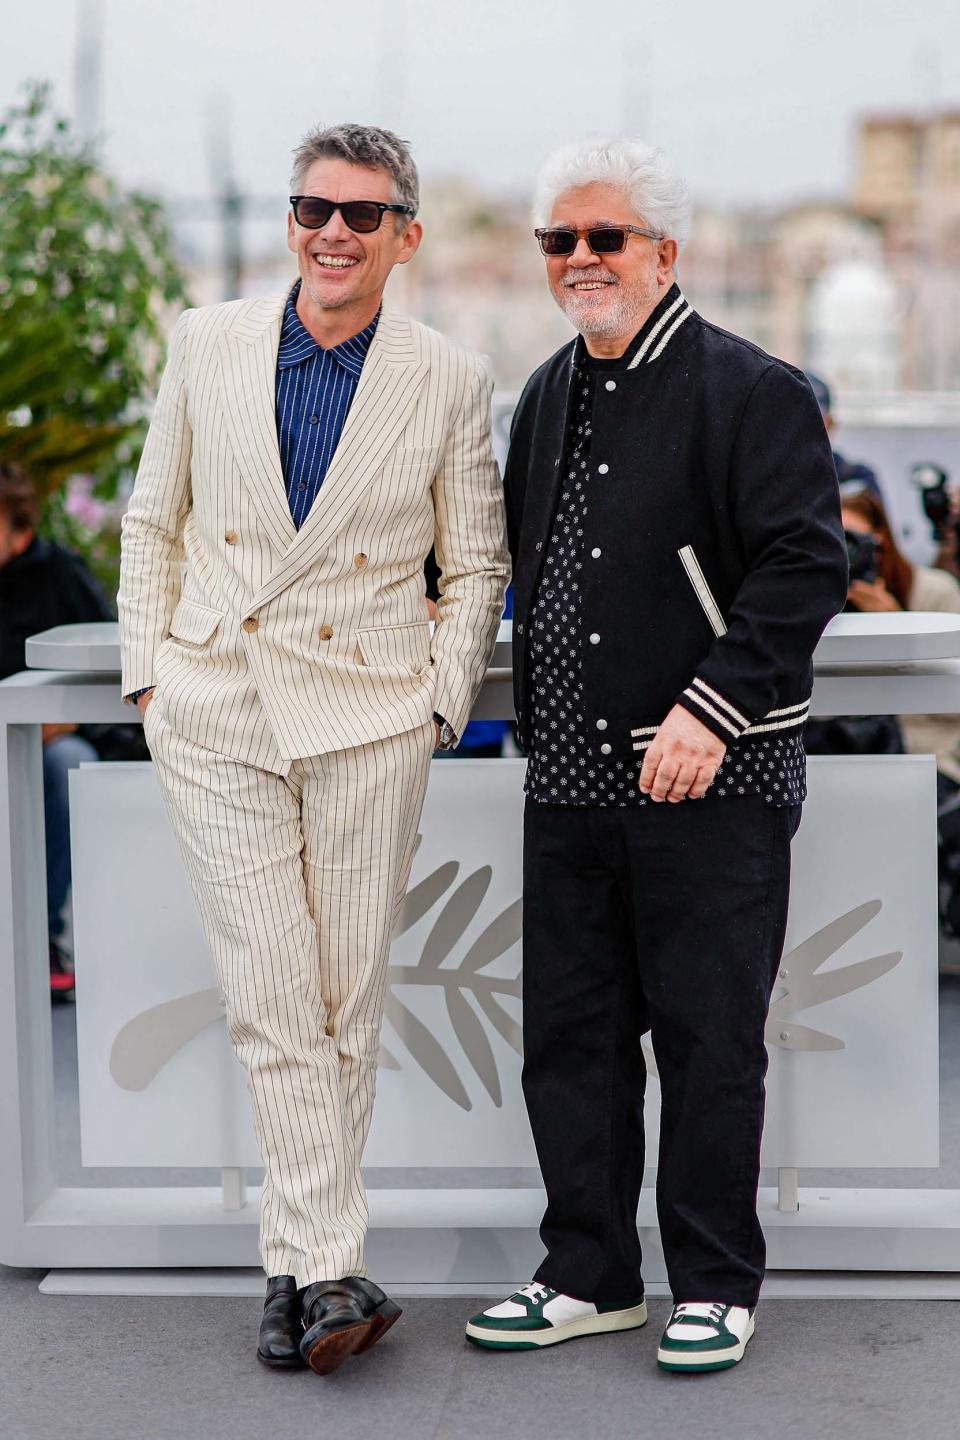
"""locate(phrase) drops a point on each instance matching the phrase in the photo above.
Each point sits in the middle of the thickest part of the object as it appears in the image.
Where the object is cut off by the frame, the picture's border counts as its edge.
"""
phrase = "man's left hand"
(682, 760)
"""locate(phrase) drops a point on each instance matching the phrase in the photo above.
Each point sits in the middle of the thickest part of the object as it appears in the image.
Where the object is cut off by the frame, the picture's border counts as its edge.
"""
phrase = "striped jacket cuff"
(729, 722)
(726, 720)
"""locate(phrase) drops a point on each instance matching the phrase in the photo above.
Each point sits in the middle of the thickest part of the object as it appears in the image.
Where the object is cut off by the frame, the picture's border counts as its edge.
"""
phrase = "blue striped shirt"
(315, 388)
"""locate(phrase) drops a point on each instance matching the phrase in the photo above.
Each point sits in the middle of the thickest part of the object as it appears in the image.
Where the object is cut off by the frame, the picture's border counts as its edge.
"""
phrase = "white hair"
(656, 191)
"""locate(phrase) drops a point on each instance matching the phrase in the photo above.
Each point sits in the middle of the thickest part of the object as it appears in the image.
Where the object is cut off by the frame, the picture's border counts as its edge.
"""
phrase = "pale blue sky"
(754, 99)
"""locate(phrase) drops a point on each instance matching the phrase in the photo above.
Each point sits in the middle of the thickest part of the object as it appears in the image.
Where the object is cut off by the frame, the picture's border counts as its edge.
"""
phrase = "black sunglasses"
(602, 239)
(361, 216)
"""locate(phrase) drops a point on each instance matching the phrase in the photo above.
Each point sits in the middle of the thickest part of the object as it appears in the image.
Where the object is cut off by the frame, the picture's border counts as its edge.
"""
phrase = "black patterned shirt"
(563, 769)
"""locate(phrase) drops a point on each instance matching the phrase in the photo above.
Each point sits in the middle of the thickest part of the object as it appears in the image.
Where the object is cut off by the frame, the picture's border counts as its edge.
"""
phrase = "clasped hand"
(682, 759)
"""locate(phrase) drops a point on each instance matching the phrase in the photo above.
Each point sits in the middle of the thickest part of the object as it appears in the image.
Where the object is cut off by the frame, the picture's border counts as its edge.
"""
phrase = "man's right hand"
(143, 701)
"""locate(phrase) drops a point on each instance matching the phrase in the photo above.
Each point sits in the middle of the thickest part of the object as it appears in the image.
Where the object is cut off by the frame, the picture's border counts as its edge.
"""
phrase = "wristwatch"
(448, 736)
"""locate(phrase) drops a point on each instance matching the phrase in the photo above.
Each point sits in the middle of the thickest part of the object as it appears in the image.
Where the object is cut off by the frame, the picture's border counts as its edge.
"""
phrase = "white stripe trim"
(646, 730)
(719, 700)
(643, 745)
(787, 710)
(699, 700)
(690, 563)
(790, 724)
(680, 300)
(669, 336)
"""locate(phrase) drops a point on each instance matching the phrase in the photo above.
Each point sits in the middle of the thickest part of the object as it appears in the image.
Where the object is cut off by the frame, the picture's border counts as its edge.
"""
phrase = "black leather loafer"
(341, 1318)
(281, 1328)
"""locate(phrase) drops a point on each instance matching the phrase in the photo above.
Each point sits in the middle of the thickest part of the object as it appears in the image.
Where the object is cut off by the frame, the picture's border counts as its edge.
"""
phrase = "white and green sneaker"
(705, 1337)
(536, 1315)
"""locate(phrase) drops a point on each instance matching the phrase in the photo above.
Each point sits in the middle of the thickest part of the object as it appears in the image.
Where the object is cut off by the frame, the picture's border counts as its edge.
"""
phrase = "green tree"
(87, 271)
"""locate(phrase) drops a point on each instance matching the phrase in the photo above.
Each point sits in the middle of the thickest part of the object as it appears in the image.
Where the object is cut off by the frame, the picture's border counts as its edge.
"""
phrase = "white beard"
(618, 313)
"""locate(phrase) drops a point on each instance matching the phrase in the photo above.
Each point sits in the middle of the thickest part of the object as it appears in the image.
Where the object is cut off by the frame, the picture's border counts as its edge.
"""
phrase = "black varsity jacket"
(713, 554)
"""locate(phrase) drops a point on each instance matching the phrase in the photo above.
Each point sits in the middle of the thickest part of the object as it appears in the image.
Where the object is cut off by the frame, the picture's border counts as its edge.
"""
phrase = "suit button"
(539, 545)
(325, 632)
(611, 385)
(360, 561)
(601, 724)
(594, 639)
(602, 469)
(519, 629)
(606, 749)
(596, 552)
(231, 537)
(250, 624)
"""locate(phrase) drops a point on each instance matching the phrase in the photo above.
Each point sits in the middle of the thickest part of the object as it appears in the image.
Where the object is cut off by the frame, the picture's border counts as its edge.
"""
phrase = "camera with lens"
(863, 556)
(933, 481)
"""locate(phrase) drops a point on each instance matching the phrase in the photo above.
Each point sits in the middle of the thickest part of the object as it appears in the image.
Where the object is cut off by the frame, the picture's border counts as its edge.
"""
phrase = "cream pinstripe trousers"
(299, 879)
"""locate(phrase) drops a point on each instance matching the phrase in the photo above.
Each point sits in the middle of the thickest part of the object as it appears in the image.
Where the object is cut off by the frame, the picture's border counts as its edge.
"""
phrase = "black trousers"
(669, 918)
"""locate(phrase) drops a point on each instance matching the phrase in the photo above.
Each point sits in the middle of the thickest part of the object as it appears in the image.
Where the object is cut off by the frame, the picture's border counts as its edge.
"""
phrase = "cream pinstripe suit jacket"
(270, 644)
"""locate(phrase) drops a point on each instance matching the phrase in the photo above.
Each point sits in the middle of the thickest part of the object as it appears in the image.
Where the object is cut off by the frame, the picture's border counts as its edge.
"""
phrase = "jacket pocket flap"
(195, 623)
(405, 647)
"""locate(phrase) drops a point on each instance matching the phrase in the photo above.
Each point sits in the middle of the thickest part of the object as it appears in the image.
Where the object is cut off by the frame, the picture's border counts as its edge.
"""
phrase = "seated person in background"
(852, 476)
(42, 585)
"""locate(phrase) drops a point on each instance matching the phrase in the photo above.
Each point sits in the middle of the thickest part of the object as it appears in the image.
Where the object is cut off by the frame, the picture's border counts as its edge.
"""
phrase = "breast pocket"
(400, 648)
(412, 464)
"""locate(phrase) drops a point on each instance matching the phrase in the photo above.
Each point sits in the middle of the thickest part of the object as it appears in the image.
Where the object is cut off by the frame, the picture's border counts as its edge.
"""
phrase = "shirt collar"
(297, 344)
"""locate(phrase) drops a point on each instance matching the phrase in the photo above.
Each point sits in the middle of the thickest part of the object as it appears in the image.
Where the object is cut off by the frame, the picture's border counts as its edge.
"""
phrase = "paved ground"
(88, 1368)
(77, 1368)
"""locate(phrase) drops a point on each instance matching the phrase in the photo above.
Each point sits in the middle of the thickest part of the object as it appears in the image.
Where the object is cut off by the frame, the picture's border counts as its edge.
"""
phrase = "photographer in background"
(42, 585)
(942, 508)
(898, 585)
(852, 475)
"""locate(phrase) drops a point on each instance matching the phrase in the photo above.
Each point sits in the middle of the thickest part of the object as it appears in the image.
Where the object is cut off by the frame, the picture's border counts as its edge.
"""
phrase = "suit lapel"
(389, 384)
(248, 361)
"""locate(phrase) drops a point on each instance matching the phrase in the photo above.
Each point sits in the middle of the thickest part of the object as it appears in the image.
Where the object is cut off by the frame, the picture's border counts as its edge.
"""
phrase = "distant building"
(864, 288)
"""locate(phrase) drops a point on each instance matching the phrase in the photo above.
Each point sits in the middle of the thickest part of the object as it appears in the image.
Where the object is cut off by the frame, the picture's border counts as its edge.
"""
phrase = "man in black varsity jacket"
(674, 524)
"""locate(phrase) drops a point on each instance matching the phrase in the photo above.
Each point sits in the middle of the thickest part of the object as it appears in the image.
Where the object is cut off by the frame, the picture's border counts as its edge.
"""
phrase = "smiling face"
(343, 273)
(607, 297)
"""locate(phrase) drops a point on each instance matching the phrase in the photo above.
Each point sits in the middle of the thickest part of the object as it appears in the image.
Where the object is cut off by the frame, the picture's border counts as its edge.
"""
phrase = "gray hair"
(365, 145)
(656, 191)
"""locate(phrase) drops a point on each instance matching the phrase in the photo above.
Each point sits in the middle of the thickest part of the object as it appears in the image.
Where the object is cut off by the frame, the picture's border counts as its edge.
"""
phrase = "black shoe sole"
(293, 1362)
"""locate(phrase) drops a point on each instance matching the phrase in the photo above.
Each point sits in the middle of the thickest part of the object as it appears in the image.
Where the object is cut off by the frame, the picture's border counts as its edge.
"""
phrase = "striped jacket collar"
(654, 335)
(259, 321)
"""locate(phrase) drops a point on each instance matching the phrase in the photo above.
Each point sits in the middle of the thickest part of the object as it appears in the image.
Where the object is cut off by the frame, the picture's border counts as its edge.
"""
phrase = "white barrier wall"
(852, 1034)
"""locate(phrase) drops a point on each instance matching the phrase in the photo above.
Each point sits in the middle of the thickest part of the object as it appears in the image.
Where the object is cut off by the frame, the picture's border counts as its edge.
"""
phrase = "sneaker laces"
(700, 1310)
(536, 1292)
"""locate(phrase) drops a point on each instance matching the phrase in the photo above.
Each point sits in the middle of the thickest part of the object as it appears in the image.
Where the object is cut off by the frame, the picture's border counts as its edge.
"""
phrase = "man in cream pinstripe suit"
(305, 454)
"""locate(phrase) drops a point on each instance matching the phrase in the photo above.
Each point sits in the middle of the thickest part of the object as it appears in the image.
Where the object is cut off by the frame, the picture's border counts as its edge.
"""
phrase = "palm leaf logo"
(466, 989)
(474, 998)
(805, 984)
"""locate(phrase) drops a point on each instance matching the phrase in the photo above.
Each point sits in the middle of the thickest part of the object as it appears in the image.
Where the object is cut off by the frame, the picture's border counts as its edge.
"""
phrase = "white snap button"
(611, 385)
(602, 469)
(594, 639)
(601, 724)
(605, 749)
(596, 553)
